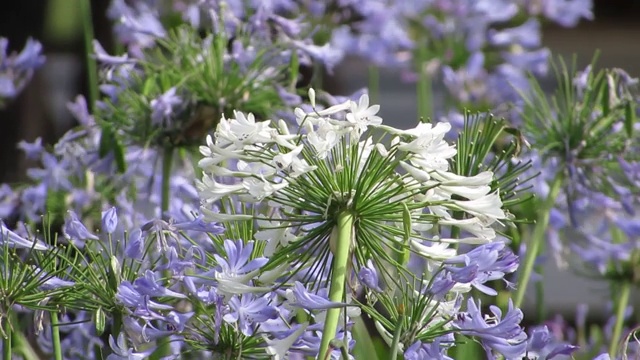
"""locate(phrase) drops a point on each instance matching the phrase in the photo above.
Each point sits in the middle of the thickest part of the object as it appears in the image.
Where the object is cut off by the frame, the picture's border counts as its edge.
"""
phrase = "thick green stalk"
(533, 248)
(374, 84)
(92, 70)
(338, 279)
(55, 335)
(365, 346)
(117, 324)
(163, 346)
(621, 301)
(396, 340)
(541, 309)
(424, 85)
(6, 342)
(167, 161)
(22, 347)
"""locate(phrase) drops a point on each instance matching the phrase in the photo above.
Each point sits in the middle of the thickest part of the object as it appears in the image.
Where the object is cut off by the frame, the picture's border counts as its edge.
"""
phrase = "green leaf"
(118, 154)
(365, 347)
(407, 226)
(294, 69)
(114, 273)
(55, 205)
(149, 86)
(629, 117)
(106, 140)
(605, 99)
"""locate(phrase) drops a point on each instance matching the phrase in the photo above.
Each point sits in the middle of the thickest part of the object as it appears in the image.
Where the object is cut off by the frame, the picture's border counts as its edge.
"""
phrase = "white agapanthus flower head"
(295, 180)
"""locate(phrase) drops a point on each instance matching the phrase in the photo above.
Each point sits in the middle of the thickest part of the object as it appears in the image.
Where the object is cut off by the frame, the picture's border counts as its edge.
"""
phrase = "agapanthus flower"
(340, 173)
(249, 311)
(122, 352)
(11, 239)
(17, 69)
(109, 220)
(499, 333)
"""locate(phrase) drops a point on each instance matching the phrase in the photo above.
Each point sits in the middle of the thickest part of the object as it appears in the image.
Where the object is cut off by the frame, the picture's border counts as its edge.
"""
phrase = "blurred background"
(40, 110)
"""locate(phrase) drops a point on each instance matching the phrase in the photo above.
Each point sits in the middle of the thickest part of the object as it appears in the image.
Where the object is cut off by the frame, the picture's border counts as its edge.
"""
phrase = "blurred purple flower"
(138, 27)
(9, 201)
(568, 12)
(135, 245)
(199, 224)
(535, 61)
(130, 297)
(54, 175)
(434, 350)
(484, 263)
(122, 352)
(16, 70)
(526, 35)
(32, 150)
(543, 345)
(163, 108)
(106, 59)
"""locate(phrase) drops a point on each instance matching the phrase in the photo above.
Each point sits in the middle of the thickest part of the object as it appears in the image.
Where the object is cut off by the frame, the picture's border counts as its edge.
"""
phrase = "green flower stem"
(55, 335)
(117, 325)
(163, 344)
(23, 347)
(92, 70)
(424, 85)
(541, 309)
(533, 248)
(6, 342)
(338, 279)
(374, 84)
(365, 346)
(167, 161)
(622, 300)
(396, 340)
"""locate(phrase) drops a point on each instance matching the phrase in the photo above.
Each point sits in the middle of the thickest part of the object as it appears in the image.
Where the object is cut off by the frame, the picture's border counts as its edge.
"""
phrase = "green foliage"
(207, 78)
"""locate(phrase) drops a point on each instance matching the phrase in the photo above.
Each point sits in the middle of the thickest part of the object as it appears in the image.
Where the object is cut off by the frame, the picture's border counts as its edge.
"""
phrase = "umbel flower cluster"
(341, 220)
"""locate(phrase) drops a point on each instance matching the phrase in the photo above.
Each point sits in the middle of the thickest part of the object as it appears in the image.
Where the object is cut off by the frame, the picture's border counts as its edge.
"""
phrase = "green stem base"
(338, 280)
